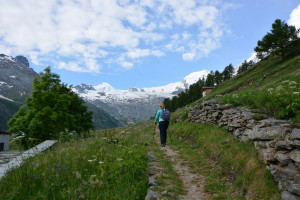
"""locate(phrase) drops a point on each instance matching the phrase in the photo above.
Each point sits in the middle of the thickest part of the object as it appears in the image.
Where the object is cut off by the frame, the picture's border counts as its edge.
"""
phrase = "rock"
(260, 145)
(273, 122)
(267, 133)
(288, 176)
(151, 157)
(151, 195)
(296, 134)
(283, 145)
(283, 157)
(209, 103)
(152, 181)
(289, 196)
(295, 143)
(154, 170)
(267, 155)
(226, 106)
(295, 155)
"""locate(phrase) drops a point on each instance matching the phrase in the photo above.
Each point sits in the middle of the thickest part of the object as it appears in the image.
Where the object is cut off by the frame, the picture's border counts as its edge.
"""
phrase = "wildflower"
(92, 160)
(104, 138)
(101, 162)
(286, 81)
(93, 180)
(292, 83)
(296, 93)
(280, 87)
(78, 175)
(120, 159)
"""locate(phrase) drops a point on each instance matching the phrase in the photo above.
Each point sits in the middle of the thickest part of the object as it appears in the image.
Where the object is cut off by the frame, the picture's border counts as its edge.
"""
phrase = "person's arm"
(158, 113)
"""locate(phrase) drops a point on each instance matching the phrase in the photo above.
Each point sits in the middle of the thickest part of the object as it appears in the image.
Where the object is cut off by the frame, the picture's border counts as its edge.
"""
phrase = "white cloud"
(295, 17)
(126, 65)
(188, 56)
(75, 34)
(138, 53)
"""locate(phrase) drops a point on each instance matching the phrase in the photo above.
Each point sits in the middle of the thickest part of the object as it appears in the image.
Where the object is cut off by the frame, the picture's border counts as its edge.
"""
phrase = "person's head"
(162, 106)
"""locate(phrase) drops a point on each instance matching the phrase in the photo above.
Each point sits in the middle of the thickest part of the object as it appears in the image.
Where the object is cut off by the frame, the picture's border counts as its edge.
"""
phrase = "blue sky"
(137, 43)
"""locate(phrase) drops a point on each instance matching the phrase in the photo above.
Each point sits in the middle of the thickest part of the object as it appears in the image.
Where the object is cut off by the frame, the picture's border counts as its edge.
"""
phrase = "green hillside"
(110, 164)
(272, 85)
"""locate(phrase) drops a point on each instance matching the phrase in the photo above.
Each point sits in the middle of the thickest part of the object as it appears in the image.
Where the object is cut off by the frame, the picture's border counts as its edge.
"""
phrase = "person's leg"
(163, 132)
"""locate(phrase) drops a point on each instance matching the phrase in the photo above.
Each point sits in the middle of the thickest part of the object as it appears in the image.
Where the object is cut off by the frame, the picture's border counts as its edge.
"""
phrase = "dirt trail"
(193, 183)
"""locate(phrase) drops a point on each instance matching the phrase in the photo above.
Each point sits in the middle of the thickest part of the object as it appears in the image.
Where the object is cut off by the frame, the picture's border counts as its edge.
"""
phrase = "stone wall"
(278, 143)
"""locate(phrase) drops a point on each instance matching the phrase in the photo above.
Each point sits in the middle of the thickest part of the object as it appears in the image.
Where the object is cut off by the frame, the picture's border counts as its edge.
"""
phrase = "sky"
(137, 43)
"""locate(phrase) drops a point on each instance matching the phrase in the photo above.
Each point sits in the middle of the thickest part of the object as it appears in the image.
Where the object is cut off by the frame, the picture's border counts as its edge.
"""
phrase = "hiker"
(162, 116)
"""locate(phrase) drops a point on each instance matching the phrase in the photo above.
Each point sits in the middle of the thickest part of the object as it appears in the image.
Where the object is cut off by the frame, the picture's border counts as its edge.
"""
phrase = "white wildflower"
(78, 175)
(120, 159)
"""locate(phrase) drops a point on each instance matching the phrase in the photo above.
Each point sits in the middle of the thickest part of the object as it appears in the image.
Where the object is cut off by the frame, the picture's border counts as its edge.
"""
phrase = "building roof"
(5, 133)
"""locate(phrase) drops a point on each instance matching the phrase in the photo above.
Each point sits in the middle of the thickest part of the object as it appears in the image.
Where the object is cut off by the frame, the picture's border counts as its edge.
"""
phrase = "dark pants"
(163, 126)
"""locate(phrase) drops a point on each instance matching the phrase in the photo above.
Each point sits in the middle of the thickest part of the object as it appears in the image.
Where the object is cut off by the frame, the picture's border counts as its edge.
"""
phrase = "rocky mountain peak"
(22, 60)
(84, 88)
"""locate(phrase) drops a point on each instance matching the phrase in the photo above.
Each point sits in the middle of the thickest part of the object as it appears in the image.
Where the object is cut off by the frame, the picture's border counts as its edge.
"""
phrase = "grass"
(251, 88)
(232, 168)
(108, 165)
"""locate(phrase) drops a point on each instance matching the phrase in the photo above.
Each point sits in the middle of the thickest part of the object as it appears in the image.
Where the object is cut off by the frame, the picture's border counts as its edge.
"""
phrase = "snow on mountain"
(107, 93)
(3, 97)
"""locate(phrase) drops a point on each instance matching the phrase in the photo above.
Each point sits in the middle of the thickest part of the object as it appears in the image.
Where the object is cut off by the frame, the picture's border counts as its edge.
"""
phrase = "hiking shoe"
(163, 145)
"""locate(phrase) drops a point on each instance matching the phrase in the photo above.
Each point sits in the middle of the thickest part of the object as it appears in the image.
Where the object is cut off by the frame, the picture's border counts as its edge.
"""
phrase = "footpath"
(193, 184)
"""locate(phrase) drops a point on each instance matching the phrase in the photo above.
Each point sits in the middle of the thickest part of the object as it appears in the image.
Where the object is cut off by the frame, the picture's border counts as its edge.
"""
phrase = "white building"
(4, 140)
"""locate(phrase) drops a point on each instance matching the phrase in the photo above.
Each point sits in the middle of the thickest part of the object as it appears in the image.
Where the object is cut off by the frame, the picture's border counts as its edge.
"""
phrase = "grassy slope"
(268, 73)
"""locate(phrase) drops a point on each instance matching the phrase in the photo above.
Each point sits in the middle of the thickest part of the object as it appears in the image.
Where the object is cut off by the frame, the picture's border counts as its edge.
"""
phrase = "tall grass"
(232, 168)
(109, 165)
(282, 101)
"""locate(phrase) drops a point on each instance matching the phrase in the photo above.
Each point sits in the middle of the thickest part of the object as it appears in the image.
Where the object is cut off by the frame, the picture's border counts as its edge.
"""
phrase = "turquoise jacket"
(158, 116)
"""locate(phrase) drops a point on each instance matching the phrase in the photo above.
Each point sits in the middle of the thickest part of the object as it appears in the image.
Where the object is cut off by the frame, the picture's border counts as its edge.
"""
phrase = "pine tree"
(53, 108)
(281, 39)
(228, 72)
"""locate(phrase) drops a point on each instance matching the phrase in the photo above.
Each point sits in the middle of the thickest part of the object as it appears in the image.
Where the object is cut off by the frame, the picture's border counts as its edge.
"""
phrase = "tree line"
(282, 39)
(193, 93)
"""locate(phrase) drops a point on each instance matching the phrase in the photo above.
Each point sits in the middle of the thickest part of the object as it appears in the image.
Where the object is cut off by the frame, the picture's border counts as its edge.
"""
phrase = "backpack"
(165, 115)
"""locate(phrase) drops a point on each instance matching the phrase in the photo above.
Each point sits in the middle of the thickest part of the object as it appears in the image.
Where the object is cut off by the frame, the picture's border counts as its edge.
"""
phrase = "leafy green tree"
(52, 109)
(281, 39)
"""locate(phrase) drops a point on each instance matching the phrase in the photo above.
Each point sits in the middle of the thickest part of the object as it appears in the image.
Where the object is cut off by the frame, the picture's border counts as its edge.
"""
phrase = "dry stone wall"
(278, 143)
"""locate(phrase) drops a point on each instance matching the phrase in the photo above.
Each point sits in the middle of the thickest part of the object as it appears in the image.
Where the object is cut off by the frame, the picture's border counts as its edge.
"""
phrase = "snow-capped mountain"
(134, 104)
(16, 85)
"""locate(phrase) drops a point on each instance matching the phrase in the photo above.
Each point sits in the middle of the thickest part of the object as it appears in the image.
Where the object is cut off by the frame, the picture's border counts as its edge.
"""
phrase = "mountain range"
(134, 104)
(111, 107)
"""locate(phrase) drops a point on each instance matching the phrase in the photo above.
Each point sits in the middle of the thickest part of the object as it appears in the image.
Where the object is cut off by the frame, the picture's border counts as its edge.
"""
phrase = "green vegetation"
(283, 102)
(108, 165)
(232, 168)
(52, 110)
(280, 41)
